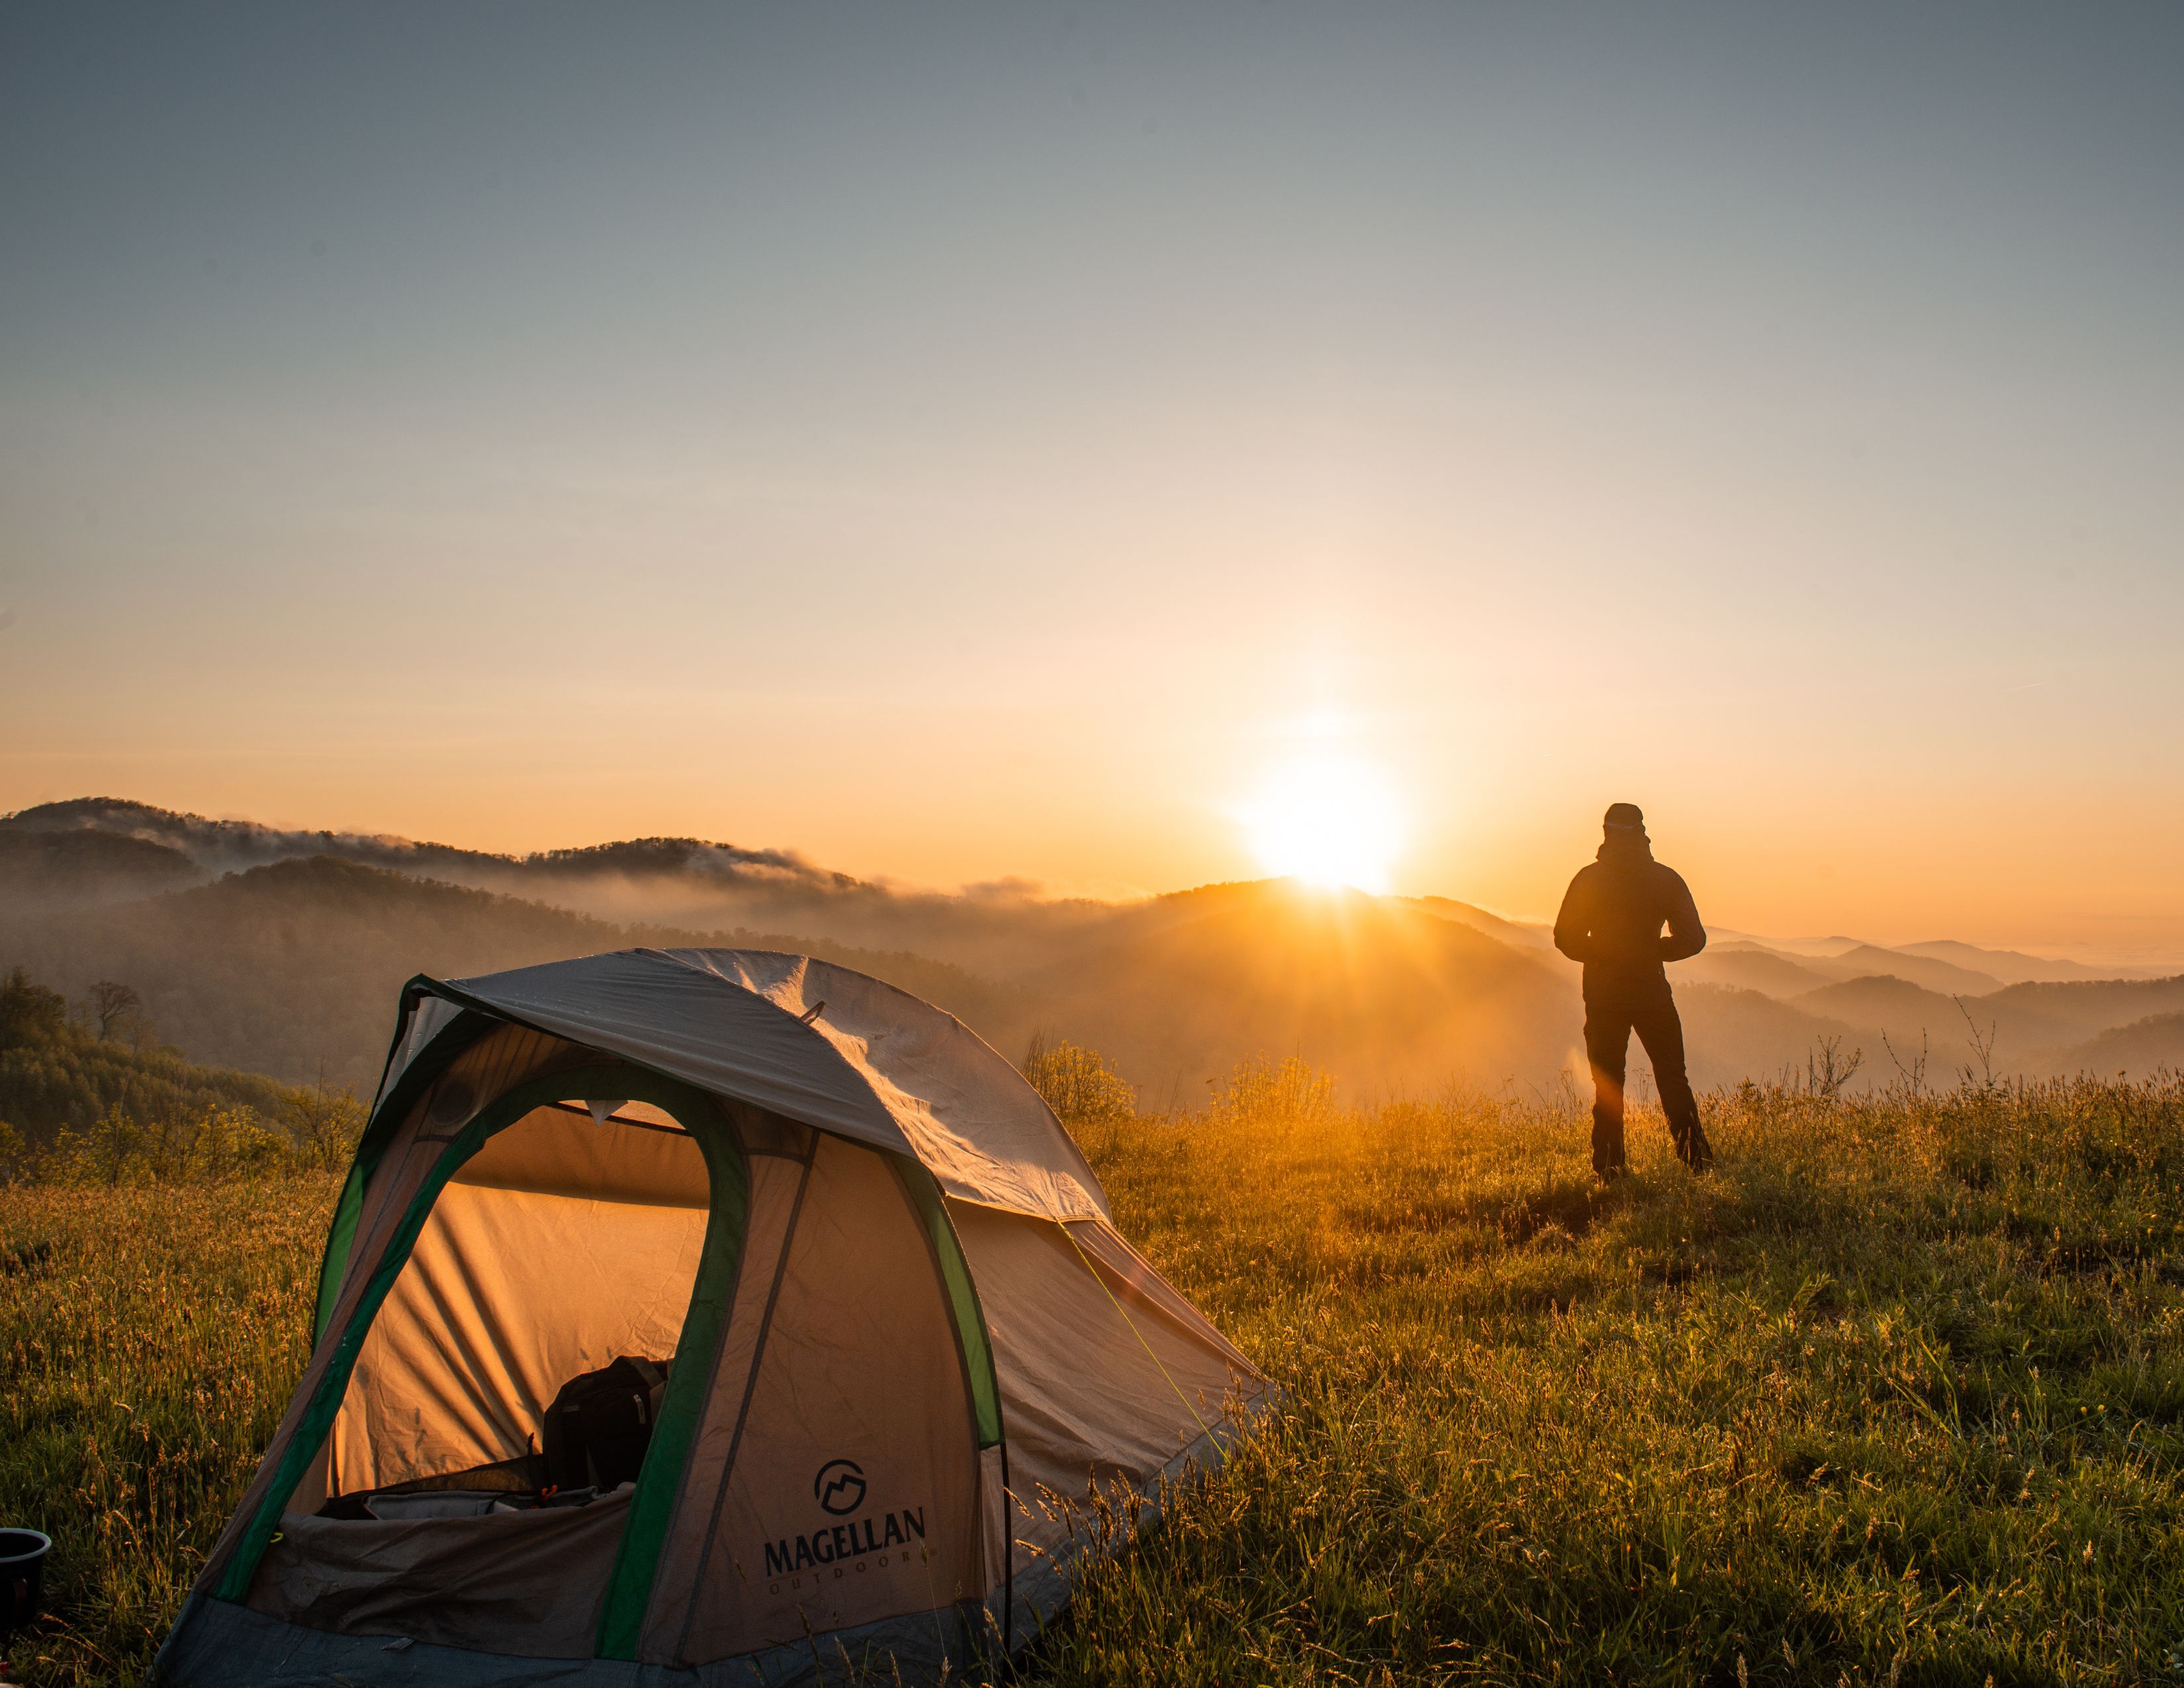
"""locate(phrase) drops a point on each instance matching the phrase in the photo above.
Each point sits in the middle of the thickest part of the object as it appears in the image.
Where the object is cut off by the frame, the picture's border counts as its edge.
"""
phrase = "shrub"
(1290, 1092)
(214, 1145)
(324, 1126)
(1078, 1084)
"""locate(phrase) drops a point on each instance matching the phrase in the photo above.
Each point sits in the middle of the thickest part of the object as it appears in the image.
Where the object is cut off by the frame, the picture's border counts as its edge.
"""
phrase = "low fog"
(280, 951)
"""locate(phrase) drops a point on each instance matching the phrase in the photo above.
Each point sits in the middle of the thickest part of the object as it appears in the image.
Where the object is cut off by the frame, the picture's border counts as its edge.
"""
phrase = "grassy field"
(149, 1339)
(1897, 1394)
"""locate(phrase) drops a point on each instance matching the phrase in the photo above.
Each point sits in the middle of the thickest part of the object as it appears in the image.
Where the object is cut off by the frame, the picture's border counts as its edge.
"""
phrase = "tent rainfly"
(697, 1317)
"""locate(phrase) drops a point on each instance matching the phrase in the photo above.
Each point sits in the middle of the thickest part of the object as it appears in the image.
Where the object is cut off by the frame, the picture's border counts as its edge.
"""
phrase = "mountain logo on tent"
(839, 1487)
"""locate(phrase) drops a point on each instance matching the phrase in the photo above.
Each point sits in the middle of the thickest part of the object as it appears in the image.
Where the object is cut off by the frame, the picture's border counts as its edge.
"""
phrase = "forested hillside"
(51, 870)
(293, 969)
(57, 1074)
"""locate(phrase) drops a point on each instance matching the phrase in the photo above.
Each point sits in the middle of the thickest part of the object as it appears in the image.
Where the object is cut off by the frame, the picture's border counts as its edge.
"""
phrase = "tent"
(893, 1341)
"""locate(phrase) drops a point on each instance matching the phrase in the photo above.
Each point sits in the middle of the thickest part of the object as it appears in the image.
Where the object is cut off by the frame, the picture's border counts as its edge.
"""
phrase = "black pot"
(22, 1575)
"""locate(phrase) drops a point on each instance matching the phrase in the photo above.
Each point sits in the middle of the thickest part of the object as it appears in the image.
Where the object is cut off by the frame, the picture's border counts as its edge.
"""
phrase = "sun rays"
(1327, 818)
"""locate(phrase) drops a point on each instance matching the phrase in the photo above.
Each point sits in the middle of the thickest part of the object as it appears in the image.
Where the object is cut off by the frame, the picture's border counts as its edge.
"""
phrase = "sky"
(964, 444)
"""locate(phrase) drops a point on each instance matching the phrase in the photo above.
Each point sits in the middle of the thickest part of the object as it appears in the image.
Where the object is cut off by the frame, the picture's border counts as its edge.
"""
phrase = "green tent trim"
(975, 1349)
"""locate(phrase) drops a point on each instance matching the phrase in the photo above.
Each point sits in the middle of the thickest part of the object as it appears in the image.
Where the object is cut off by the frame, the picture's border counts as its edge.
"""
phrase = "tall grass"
(1895, 1395)
(150, 1337)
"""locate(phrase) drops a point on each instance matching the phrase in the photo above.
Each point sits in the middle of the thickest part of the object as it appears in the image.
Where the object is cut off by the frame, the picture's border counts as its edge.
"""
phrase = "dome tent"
(899, 1336)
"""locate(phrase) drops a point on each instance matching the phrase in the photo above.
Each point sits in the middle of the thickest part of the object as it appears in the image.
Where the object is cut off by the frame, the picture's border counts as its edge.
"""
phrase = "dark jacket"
(1612, 919)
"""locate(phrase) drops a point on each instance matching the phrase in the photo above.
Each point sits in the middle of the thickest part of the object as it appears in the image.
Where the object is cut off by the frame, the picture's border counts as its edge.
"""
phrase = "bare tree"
(1828, 1070)
(1982, 1046)
(110, 1002)
(1912, 1073)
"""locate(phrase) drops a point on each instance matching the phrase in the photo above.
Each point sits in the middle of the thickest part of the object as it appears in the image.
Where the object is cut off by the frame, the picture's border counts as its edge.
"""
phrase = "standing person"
(1611, 921)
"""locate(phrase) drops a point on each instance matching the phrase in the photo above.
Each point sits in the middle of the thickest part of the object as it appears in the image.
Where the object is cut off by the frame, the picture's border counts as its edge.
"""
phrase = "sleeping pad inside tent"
(702, 1317)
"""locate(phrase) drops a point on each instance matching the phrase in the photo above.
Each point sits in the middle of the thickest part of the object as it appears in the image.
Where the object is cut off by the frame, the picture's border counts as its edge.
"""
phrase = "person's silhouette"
(1611, 921)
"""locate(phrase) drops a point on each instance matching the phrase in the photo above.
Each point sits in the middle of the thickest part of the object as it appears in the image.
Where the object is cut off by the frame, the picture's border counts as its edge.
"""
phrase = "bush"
(212, 1145)
(1078, 1084)
(1291, 1092)
(324, 1126)
(217, 1144)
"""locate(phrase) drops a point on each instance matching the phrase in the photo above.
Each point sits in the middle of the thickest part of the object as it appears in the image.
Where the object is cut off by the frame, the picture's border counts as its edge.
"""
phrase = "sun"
(1328, 819)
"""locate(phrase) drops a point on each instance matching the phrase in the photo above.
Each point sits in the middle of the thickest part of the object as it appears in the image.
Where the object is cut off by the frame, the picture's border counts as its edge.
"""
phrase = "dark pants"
(1608, 1024)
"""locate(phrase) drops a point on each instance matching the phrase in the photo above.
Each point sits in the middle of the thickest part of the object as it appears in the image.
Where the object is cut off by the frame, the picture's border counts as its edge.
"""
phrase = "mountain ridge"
(287, 965)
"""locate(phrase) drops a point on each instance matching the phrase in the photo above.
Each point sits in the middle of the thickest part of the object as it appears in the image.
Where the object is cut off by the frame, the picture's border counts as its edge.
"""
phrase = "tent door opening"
(579, 1232)
(527, 1341)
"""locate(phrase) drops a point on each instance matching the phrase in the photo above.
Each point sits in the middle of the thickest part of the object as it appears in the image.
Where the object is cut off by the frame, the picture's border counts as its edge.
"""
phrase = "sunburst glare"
(1328, 819)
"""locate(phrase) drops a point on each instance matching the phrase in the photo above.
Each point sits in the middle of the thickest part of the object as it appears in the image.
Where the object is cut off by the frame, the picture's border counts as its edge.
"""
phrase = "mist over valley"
(279, 952)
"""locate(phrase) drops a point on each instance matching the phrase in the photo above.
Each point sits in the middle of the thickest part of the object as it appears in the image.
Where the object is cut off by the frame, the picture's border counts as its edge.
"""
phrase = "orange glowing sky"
(963, 445)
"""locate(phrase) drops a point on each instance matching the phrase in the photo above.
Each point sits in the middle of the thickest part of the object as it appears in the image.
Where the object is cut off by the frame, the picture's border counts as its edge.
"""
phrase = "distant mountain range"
(280, 951)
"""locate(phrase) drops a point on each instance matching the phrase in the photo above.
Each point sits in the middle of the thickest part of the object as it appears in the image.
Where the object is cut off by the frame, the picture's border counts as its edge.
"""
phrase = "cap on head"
(1624, 817)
